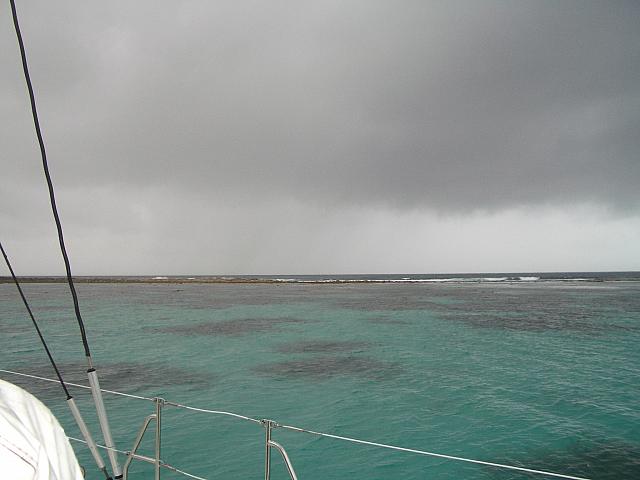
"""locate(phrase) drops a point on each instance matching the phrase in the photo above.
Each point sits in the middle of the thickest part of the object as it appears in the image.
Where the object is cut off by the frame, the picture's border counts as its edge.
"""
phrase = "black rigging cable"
(70, 401)
(45, 166)
(35, 324)
(91, 371)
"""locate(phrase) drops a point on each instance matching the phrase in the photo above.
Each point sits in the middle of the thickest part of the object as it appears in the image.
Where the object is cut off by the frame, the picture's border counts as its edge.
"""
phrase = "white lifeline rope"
(167, 402)
(321, 434)
(141, 457)
(430, 454)
(77, 385)
(215, 412)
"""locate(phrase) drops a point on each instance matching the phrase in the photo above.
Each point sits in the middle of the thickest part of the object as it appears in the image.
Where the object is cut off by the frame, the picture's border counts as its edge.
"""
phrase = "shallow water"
(542, 375)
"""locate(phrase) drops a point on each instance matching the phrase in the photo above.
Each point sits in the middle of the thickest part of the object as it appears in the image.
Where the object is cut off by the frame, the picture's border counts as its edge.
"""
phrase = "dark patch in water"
(127, 377)
(532, 322)
(387, 302)
(534, 308)
(240, 326)
(400, 297)
(386, 321)
(13, 329)
(317, 368)
(54, 308)
(538, 310)
(531, 315)
(320, 346)
(601, 459)
(215, 296)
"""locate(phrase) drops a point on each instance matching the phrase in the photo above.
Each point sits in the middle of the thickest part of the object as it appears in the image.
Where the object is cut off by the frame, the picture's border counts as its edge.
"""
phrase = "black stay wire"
(35, 324)
(52, 197)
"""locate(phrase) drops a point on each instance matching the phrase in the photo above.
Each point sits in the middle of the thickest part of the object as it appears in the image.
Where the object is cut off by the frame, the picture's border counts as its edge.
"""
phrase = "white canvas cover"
(33, 445)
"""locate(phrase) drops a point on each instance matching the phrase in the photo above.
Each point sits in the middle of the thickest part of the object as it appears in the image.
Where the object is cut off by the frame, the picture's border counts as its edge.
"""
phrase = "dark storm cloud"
(448, 105)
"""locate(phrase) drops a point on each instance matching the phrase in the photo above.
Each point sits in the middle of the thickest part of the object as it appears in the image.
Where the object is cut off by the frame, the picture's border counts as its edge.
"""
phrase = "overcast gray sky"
(324, 137)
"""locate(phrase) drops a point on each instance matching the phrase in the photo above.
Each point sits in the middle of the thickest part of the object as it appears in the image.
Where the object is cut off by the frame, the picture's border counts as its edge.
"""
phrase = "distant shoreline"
(508, 278)
(168, 280)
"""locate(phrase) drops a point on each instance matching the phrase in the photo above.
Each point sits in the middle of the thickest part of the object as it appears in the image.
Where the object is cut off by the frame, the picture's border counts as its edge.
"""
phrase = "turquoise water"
(542, 375)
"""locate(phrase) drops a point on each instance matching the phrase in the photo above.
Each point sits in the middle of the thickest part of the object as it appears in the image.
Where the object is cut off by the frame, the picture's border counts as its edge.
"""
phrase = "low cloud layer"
(221, 113)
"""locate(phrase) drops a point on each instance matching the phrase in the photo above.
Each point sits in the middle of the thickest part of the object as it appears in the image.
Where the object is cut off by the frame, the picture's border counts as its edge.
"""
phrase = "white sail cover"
(33, 445)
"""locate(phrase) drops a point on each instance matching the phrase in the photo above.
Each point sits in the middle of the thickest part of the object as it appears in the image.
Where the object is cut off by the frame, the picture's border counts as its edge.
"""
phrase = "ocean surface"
(539, 371)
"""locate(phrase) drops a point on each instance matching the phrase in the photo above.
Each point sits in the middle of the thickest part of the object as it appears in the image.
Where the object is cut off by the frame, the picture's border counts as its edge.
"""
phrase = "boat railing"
(269, 426)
